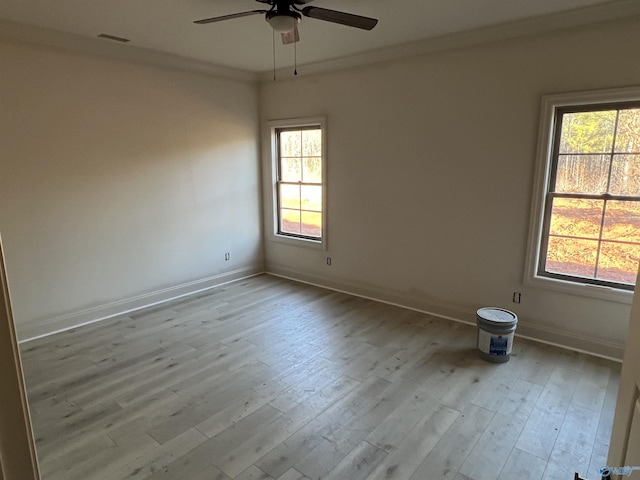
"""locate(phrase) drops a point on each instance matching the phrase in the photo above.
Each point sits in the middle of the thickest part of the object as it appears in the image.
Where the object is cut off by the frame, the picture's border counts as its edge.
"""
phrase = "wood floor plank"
(494, 446)
(572, 450)
(406, 458)
(189, 414)
(196, 463)
(51, 432)
(253, 473)
(358, 463)
(544, 423)
(173, 374)
(504, 376)
(265, 390)
(230, 439)
(269, 438)
(542, 363)
(446, 458)
(269, 379)
(591, 387)
(156, 459)
(61, 463)
(136, 377)
(74, 437)
(293, 474)
(107, 463)
(303, 415)
(302, 443)
(390, 432)
(601, 443)
(341, 441)
(523, 466)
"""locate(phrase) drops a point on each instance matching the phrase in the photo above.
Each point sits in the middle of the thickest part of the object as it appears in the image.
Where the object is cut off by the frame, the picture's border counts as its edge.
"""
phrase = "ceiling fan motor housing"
(283, 21)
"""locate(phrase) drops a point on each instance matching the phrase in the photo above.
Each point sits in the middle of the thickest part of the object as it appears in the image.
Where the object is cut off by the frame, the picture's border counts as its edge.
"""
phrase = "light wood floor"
(270, 379)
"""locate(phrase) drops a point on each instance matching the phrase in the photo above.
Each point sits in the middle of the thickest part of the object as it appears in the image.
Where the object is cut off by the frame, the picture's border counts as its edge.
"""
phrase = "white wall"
(430, 176)
(121, 184)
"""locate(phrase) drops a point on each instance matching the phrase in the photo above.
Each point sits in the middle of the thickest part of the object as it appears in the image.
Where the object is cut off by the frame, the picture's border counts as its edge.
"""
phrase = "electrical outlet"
(516, 297)
(329, 261)
(227, 257)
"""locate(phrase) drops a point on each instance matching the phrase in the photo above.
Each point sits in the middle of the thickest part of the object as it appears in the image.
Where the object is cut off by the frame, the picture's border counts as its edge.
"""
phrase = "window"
(299, 181)
(589, 217)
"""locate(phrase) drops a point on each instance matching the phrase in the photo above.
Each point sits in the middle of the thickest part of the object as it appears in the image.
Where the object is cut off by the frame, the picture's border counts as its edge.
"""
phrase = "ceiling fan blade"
(294, 2)
(229, 17)
(291, 36)
(342, 18)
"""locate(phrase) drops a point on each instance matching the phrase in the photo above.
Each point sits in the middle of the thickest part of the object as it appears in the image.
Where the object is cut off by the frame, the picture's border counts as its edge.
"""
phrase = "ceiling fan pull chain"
(295, 58)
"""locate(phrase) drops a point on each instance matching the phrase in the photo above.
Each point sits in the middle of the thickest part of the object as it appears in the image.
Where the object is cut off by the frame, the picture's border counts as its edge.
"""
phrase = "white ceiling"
(247, 43)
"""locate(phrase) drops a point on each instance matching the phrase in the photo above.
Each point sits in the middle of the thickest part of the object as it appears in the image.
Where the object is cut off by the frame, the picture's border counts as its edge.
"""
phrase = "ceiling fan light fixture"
(283, 21)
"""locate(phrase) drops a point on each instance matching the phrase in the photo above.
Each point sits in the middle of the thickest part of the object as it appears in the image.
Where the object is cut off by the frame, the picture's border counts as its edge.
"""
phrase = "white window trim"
(542, 172)
(274, 125)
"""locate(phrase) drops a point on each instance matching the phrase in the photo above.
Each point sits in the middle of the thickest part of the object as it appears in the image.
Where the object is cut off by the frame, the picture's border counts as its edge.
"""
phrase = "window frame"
(544, 174)
(275, 126)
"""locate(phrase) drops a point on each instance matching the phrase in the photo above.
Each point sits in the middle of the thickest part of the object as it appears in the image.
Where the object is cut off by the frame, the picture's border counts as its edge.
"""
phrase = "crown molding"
(602, 13)
(18, 32)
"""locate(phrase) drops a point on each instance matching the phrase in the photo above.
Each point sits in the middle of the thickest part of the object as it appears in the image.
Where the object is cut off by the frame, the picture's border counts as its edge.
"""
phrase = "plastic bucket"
(496, 327)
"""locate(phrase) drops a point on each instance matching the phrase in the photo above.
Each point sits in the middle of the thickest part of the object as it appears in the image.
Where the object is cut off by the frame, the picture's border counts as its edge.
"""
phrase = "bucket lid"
(495, 315)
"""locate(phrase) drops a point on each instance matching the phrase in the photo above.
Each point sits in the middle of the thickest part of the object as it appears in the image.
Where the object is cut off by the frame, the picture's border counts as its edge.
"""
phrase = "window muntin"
(299, 182)
(591, 225)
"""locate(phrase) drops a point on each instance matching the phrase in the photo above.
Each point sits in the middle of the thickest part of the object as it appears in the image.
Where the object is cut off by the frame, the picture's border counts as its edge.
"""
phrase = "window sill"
(299, 242)
(581, 289)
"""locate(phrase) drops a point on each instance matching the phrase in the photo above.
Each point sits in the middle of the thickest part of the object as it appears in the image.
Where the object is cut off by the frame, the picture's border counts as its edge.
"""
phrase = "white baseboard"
(532, 331)
(441, 310)
(73, 320)
(572, 341)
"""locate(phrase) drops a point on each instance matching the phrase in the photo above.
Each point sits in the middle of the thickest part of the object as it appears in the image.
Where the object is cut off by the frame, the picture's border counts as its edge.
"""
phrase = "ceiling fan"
(285, 15)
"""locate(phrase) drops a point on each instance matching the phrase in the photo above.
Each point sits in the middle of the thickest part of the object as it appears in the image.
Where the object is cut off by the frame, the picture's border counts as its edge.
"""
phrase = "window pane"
(290, 170)
(572, 217)
(619, 262)
(622, 221)
(569, 256)
(594, 233)
(312, 170)
(312, 224)
(625, 175)
(290, 196)
(312, 198)
(587, 132)
(312, 143)
(290, 221)
(582, 174)
(300, 181)
(290, 144)
(628, 134)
